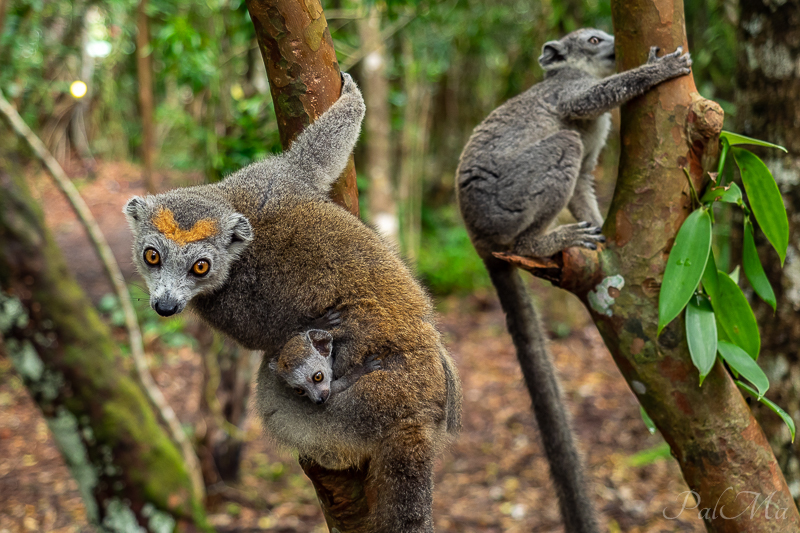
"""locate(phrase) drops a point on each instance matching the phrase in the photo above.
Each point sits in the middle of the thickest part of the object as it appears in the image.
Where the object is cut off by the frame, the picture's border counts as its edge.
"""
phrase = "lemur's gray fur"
(530, 158)
(263, 253)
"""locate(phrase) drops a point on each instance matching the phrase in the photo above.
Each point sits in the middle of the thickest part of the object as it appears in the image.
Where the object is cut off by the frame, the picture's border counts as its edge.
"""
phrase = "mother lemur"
(261, 256)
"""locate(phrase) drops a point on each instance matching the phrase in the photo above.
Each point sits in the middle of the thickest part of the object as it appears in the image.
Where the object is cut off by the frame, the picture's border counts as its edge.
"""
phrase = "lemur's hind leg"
(402, 473)
(558, 163)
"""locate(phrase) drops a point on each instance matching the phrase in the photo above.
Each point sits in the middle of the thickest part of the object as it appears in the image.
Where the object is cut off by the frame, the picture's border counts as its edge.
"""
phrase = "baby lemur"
(305, 363)
(530, 158)
(259, 256)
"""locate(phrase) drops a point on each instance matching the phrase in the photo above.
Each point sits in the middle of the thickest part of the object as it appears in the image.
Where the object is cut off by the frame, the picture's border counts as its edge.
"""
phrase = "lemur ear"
(136, 209)
(240, 230)
(322, 341)
(552, 52)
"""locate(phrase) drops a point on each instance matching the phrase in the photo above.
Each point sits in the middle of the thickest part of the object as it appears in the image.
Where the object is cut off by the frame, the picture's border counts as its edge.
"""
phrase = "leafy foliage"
(719, 318)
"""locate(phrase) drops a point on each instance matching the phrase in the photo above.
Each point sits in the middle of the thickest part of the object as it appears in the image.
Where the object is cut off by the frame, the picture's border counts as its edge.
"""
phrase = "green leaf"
(685, 266)
(725, 146)
(772, 405)
(734, 139)
(651, 426)
(735, 317)
(731, 195)
(742, 363)
(753, 269)
(701, 334)
(710, 280)
(735, 274)
(650, 456)
(765, 199)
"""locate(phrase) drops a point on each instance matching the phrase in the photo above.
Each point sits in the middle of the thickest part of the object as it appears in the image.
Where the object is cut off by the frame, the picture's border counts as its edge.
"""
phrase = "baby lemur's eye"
(200, 268)
(594, 40)
(299, 391)
(152, 257)
(318, 377)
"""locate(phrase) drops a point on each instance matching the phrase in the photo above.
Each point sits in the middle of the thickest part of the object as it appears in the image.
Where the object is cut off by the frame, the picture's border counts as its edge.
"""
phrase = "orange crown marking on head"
(164, 221)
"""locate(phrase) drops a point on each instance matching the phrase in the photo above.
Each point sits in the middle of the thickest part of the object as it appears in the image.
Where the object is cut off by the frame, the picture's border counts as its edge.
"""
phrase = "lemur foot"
(372, 363)
(676, 64)
(582, 234)
(331, 319)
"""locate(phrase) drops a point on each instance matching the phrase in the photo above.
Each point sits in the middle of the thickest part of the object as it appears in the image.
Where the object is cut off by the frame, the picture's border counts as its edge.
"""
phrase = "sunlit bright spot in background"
(78, 89)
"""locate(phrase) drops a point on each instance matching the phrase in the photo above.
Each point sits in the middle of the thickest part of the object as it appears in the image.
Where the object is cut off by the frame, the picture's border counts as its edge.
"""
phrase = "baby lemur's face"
(586, 49)
(305, 364)
(184, 245)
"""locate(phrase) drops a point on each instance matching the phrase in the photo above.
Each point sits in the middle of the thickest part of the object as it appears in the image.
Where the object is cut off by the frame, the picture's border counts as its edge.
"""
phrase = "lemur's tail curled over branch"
(540, 378)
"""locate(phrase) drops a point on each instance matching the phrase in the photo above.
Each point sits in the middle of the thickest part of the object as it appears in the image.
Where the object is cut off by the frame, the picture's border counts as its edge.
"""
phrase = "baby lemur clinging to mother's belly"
(263, 253)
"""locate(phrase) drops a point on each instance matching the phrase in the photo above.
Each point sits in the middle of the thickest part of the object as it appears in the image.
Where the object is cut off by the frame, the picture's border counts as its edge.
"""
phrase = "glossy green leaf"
(735, 317)
(701, 334)
(753, 269)
(685, 266)
(731, 195)
(724, 148)
(710, 280)
(651, 426)
(741, 362)
(734, 139)
(735, 274)
(772, 405)
(765, 199)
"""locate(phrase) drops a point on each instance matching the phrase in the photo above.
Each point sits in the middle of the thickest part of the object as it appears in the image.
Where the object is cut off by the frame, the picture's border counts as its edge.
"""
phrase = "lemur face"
(183, 247)
(586, 49)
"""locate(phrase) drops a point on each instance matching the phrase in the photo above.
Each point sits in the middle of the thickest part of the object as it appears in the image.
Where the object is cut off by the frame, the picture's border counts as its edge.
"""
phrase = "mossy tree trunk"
(769, 108)
(721, 449)
(128, 470)
(304, 79)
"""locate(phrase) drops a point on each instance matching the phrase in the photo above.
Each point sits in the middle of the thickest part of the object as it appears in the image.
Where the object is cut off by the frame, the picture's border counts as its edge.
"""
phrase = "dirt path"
(493, 478)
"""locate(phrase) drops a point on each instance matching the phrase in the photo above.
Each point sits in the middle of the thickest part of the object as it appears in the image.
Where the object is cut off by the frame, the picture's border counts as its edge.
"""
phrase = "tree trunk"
(126, 466)
(711, 431)
(303, 73)
(382, 206)
(304, 80)
(769, 108)
(144, 67)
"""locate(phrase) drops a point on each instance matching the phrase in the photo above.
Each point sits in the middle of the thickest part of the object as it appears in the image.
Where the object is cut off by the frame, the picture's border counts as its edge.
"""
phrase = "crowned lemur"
(260, 256)
(530, 158)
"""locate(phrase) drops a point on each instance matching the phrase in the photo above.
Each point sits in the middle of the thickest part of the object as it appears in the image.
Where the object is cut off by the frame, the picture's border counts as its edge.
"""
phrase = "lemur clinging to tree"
(262, 254)
(530, 158)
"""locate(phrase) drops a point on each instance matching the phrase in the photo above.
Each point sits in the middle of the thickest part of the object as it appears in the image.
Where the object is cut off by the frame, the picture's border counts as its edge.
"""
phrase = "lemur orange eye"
(152, 257)
(594, 40)
(200, 268)
(299, 391)
(318, 377)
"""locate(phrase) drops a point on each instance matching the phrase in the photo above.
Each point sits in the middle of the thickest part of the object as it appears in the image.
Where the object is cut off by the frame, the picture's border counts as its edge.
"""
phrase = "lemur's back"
(306, 257)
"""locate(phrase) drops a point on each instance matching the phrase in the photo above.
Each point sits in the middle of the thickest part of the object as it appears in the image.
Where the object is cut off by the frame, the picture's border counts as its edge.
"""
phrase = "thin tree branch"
(117, 280)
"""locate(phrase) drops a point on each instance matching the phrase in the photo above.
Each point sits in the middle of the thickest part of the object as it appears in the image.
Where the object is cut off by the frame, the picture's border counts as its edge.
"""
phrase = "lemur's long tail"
(566, 469)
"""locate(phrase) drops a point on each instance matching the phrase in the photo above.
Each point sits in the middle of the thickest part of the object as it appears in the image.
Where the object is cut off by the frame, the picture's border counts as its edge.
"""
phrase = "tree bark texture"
(722, 451)
(126, 466)
(769, 108)
(304, 79)
(382, 206)
(144, 68)
(711, 430)
(303, 73)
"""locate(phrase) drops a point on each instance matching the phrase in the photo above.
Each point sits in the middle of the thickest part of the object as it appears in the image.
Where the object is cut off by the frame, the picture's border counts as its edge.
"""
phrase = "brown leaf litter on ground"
(494, 477)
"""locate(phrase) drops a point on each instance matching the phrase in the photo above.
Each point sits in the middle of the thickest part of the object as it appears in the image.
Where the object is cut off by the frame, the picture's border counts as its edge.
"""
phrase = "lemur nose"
(165, 311)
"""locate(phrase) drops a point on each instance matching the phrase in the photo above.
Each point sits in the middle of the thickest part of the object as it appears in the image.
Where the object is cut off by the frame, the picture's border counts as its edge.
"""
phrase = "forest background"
(430, 71)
